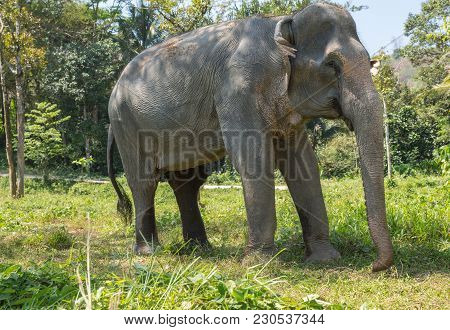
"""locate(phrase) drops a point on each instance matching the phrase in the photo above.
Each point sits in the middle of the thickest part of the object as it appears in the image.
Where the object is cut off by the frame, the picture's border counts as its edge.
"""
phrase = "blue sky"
(383, 21)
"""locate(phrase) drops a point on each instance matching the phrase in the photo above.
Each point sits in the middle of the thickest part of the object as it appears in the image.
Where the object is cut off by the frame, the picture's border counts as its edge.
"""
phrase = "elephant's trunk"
(366, 115)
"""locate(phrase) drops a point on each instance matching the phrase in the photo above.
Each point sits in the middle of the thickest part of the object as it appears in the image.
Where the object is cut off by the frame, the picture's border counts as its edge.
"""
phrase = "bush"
(442, 159)
(59, 239)
(43, 138)
(338, 158)
(47, 286)
(412, 136)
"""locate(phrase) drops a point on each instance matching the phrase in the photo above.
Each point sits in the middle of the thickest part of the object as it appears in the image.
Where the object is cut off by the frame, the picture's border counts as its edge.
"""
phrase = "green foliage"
(53, 286)
(248, 8)
(81, 76)
(338, 157)
(442, 159)
(225, 173)
(139, 29)
(429, 40)
(428, 49)
(85, 163)
(82, 70)
(45, 286)
(321, 131)
(177, 278)
(182, 16)
(59, 238)
(11, 42)
(435, 104)
(386, 81)
(413, 124)
(188, 287)
(84, 54)
(413, 137)
(224, 178)
(73, 52)
(43, 141)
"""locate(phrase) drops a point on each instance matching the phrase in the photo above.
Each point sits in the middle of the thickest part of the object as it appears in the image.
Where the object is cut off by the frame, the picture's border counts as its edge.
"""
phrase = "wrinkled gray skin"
(264, 75)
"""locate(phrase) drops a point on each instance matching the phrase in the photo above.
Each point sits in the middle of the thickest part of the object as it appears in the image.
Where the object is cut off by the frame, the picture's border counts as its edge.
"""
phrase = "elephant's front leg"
(298, 164)
(249, 143)
(251, 152)
(259, 199)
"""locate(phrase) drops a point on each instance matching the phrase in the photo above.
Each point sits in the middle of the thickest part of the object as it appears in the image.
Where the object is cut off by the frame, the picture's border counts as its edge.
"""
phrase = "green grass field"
(43, 244)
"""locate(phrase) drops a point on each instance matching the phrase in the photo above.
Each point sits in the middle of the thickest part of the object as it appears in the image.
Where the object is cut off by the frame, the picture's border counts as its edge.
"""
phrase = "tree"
(413, 136)
(429, 50)
(323, 131)
(338, 157)
(413, 132)
(81, 76)
(18, 48)
(43, 141)
(139, 29)
(182, 16)
(429, 37)
(83, 61)
(7, 121)
(248, 8)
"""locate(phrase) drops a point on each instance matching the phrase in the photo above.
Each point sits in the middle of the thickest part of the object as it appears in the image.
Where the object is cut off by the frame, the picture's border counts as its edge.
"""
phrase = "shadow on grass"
(211, 252)
(422, 260)
(8, 250)
(409, 260)
(53, 185)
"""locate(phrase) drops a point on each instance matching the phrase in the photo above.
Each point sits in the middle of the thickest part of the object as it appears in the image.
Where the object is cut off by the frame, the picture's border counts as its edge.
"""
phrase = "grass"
(43, 235)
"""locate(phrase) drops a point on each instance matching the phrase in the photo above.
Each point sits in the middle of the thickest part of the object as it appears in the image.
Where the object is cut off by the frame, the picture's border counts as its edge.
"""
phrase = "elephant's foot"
(196, 239)
(198, 243)
(145, 248)
(258, 255)
(322, 252)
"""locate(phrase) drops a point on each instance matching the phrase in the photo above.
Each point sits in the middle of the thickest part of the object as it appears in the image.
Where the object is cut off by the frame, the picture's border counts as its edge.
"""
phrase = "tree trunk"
(8, 134)
(45, 174)
(87, 147)
(95, 114)
(20, 118)
(7, 125)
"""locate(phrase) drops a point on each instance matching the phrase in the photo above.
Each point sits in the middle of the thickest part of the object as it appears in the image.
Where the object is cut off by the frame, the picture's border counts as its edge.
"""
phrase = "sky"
(383, 21)
(380, 23)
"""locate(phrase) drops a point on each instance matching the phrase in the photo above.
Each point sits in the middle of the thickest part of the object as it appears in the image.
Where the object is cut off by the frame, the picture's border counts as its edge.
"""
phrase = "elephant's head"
(330, 77)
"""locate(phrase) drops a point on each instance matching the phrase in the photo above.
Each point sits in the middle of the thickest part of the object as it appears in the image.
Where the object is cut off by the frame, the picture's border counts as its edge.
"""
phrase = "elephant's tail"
(124, 207)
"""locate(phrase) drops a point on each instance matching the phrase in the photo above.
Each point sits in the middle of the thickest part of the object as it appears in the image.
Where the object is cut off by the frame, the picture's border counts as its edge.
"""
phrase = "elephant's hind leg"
(137, 149)
(146, 234)
(186, 186)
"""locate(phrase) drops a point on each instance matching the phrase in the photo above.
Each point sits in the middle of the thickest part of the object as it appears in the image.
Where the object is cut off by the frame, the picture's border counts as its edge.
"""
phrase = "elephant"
(245, 89)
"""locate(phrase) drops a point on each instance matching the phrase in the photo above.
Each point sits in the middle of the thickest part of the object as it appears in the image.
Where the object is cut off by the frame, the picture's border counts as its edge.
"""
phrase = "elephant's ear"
(284, 37)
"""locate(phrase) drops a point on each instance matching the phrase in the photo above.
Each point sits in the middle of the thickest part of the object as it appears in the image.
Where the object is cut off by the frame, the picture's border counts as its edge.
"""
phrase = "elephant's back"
(172, 81)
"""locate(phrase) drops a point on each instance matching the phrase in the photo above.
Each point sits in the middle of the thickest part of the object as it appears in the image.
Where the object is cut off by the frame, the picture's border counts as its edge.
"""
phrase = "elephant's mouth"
(337, 107)
(348, 122)
(334, 102)
(330, 109)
